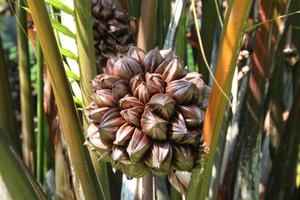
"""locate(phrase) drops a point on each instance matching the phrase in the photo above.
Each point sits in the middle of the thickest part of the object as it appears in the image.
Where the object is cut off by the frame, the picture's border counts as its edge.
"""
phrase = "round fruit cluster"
(146, 113)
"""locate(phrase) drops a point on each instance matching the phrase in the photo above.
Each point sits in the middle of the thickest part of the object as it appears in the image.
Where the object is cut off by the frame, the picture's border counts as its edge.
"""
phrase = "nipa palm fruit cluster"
(146, 113)
(112, 31)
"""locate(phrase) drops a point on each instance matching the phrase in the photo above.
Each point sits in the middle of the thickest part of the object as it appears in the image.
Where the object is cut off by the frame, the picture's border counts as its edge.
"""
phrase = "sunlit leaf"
(61, 28)
(61, 6)
(68, 54)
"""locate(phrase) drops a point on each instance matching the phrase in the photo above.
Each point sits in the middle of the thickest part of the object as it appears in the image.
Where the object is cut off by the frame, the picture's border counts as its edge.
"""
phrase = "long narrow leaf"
(85, 182)
(229, 47)
(61, 28)
(71, 74)
(173, 26)
(180, 40)
(164, 14)
(25, 89)
(61, 6)
(208, 26)
(68, 54)
(40, 116)
(87, 65)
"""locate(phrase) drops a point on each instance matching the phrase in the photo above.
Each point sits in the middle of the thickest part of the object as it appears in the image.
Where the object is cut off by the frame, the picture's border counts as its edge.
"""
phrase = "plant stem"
(40, 116)
(25, 88)
(146, 39)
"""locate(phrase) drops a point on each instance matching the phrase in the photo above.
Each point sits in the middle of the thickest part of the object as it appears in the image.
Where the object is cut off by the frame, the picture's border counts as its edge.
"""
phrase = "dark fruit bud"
(142, 93)
(93, 138)
(171, 69)
(133, 115)
(103, 81)
(178, 132)
(154, 126)
(183, 159)
(159, 158)
(136, 81)
(152, 60)
(136, 53)
(104, 98)
(110, 66)
(193, 115)
(109, 126)
(182, 91)
(107, 10)
(94, 113)
(127, 67)
(129, 102)
(96, 10)
(162, 104)
(168, 54)
(138, 145)
(124, 134)
(196, 79)
(121, 16)
(119, 89)
(155, 83)
(119, 154)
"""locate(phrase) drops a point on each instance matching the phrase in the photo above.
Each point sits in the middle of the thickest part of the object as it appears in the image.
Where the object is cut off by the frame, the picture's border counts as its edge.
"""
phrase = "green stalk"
(180, 40)
(87, 65)
(40, 116)
(25, 88)
(135, 6)
(7, 116)
(232, 35)
(174, 23)
(208, 25)
(163, 20)
(85, 181)
(220, 18)
(175, 195)
(17, 180)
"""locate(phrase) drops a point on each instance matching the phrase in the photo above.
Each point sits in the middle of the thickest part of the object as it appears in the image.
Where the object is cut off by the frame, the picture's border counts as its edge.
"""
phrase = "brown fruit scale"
(147, 112)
